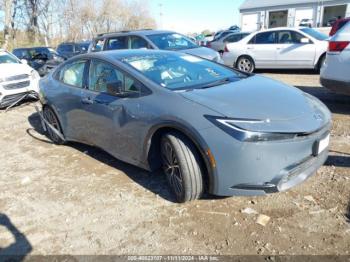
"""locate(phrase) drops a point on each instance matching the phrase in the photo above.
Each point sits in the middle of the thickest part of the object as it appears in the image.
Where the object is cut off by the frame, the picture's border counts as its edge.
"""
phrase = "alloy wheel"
(245, 65)
(172, 168)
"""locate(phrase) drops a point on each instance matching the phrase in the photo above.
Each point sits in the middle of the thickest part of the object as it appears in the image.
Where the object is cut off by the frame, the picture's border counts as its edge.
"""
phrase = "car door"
(111, 118)
(292, 52)
(262, 48)
(67, 93)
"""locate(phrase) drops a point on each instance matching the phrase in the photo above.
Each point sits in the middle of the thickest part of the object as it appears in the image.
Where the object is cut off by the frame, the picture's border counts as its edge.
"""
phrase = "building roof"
(250, 4)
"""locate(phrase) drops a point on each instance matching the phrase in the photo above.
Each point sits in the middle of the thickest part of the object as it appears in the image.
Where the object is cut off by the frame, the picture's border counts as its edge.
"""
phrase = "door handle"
(250, 48)
(87, 101)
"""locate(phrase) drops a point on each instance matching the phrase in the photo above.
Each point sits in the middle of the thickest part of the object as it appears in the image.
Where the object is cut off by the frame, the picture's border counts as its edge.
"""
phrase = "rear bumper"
(336, 86)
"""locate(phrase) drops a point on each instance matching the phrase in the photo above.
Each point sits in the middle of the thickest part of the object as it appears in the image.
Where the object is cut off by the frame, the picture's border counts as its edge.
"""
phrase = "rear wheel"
(245, 64)
(51, 118)
(182, 166)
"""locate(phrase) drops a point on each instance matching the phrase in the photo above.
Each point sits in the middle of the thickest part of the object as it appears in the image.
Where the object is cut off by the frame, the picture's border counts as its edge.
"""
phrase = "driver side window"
(103, 76)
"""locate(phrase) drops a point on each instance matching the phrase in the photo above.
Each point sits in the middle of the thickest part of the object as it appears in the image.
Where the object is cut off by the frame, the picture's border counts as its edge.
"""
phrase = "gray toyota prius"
(210, 128)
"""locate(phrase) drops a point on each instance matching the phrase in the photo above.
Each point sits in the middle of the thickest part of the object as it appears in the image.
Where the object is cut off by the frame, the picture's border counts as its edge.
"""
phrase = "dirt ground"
(78, 200)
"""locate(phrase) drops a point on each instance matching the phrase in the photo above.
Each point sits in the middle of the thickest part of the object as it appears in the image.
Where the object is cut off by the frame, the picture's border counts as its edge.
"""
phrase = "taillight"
(226, 49)
(337, 46)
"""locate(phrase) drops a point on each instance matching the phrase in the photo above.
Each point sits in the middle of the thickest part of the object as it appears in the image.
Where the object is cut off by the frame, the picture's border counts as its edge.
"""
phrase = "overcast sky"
(187, 16)
(190, 16)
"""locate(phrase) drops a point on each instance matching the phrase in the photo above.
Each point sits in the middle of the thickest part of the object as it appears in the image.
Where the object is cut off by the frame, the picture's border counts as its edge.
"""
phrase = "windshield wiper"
(220, 82)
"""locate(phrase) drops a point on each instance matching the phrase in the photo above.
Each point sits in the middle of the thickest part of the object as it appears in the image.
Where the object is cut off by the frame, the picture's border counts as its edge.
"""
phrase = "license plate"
(323, 144)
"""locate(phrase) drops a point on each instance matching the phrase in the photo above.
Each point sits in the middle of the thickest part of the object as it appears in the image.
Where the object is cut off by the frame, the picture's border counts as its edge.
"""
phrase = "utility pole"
(160, 15)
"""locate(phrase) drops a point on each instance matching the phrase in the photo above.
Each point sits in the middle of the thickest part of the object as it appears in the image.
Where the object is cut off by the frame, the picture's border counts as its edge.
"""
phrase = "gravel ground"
(77, 199)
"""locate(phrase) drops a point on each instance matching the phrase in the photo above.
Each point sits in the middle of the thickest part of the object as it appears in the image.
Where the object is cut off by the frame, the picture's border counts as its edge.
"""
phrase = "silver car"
(220, 43)
(278, 48)
(210, 128)
(152, 39)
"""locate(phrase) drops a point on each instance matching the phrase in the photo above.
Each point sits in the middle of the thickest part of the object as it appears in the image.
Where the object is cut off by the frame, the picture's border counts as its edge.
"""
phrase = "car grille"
(15, 78)
(17, 85)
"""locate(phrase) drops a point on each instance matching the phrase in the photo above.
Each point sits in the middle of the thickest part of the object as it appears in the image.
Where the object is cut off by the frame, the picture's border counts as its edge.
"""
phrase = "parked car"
(223, 34)
(306, 22)
(68, 50)
(42, 59)
(278, 48)
(338, 25)
(234, 28)
(209, 127)
(335, 73)
(152, 39)
(220, 44)
(16, 79)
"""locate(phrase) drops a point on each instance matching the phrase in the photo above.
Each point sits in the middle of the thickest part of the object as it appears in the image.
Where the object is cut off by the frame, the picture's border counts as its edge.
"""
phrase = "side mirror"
(305, 40)
(23, 61)
(115, 88)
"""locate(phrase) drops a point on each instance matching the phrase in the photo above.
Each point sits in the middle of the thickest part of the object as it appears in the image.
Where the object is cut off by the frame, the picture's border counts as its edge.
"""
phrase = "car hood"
(282, 107)
(203, 52)
(7, 70)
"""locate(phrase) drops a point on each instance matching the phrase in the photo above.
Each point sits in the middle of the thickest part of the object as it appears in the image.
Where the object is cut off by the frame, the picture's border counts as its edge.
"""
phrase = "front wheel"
(182, 166)
(245, 64)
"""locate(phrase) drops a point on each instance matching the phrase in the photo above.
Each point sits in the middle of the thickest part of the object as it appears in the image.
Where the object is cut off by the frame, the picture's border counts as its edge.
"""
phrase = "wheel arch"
(152, 149)
(46, 105)
(323, 55)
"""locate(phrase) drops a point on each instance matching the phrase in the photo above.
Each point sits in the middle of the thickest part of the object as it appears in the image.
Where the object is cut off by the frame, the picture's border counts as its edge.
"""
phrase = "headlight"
(34, 75)
(231, 126)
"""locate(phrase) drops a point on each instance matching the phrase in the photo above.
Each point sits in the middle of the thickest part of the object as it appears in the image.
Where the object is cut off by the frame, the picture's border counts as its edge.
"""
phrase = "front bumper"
(10, 96)
(259, 168)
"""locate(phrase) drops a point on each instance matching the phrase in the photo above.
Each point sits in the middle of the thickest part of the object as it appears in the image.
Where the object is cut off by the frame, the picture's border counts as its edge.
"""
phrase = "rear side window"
(264, 38)
(117, 43)
(233, 38)
(73, 73)
(65, 48)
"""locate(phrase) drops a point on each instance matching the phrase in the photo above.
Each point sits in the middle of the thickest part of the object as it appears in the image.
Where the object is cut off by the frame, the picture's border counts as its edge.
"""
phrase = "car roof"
(135, 32)
(35, 47)
(120, 54)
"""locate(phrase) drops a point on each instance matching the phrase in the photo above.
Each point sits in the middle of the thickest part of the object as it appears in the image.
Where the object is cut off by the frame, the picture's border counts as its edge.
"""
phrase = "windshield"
(181, 72)
(6, 58)
(172, 41)
(315, 34)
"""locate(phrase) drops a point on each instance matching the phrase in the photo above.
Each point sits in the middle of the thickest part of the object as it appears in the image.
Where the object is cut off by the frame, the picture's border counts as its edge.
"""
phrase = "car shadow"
(287, 71)
(337, 103)
(339, 161)
(154, 182)
(347, 213)
(21, 247)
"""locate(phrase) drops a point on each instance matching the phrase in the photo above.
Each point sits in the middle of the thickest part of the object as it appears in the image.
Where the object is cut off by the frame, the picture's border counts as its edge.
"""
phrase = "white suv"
(278, 48)
(16, 79)
(335, 72)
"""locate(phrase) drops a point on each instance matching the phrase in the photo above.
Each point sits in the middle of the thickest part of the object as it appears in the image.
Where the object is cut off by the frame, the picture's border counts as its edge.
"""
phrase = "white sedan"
(17, 79)
(335, 72)
(278, 48)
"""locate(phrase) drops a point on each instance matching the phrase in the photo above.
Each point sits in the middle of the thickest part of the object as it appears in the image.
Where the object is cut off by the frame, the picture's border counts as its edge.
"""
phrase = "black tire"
(320, 63)
(245, 64)
(182, 165)
(51, 117)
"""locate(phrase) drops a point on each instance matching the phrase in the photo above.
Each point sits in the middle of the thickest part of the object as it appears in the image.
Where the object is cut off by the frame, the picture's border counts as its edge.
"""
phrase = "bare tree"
(7, 5)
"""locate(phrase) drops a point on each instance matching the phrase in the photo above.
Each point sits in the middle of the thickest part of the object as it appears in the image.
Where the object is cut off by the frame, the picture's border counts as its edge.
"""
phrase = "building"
(275, 13)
